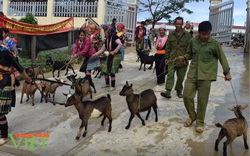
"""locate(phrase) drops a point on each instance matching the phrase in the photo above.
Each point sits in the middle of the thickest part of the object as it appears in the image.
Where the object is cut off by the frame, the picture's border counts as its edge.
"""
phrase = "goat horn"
(127, 83)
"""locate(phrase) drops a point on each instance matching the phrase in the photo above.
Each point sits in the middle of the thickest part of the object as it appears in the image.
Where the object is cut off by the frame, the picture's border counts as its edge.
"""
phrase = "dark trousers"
(160, 67)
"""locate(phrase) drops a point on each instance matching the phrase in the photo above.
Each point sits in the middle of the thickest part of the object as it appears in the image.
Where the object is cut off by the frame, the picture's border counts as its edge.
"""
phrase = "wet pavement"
(167, 137)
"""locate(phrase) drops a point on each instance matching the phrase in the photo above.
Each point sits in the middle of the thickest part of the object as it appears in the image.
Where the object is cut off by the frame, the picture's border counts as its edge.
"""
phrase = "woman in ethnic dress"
(113, 45)
(160, 46)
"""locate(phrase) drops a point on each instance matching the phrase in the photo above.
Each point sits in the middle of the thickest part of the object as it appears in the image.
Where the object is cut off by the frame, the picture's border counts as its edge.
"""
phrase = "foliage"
(163, 9)
(29, 18)
(41, 59)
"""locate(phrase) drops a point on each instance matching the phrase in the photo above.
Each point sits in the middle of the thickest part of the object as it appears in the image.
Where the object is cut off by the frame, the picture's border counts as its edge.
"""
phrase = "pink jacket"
(83, 49)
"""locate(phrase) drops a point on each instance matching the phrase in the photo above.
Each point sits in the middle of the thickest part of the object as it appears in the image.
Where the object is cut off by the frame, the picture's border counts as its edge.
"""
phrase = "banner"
(16, 27)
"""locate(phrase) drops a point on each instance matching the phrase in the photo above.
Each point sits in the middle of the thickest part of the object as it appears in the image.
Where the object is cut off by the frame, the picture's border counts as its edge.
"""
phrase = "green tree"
(163, 9)
(30, 19)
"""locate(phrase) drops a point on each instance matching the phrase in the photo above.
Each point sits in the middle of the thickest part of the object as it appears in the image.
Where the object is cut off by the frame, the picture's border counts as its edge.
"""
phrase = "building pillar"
(247, 33)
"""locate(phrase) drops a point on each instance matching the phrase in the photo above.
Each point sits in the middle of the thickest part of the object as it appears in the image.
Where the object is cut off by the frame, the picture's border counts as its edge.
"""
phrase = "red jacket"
(83, 49)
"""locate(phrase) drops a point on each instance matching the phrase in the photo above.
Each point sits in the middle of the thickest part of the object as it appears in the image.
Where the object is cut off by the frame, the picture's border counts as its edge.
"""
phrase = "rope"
(234, 93)
(44, 96)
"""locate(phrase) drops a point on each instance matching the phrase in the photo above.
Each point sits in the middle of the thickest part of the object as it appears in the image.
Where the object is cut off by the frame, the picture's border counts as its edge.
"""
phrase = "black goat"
(139, 102)
(145, 59)
(59, 65)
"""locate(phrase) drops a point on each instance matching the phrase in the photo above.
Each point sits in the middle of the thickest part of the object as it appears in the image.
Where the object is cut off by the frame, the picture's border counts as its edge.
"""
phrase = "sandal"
(3, 141)
(106, 86)
(111, 89)
(188, 122)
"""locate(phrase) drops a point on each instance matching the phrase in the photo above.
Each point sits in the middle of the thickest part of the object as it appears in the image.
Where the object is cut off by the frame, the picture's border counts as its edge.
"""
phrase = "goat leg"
(140, 66)
(59, 73)
(227, 142)
(110, 124)
(79, 132)
(144, 66)
(156, 115)
(32, 97)
(139, 116)
(67, 70)
(104, 117)
(148, 113)
(53, 72)
(220, 137)
(86, 129)
(245, 139)
(27, 97)
(150, 66)
(132, 115)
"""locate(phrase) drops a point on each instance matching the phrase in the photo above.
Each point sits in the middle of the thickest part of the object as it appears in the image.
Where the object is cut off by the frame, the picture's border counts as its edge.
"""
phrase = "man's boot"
(166, 94)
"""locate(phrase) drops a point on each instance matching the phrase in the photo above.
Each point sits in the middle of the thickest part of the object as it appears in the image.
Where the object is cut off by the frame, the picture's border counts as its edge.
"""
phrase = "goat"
(34, 72)
(233, 128)
(145, 59)
(139, 102)
(87, 108)
(59, 65)
(29, 89)
(50, 88)
(81, 86)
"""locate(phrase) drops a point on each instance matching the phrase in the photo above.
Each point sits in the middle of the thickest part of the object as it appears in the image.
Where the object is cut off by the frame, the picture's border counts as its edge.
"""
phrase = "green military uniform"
(176, 46)
(202, 70)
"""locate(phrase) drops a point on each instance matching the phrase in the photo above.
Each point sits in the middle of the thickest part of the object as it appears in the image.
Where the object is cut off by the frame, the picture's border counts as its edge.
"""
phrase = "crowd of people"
(172, 55)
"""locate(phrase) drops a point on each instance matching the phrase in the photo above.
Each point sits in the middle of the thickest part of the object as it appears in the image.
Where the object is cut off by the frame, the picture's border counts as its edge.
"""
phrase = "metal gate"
(221, 18)
(125, 13)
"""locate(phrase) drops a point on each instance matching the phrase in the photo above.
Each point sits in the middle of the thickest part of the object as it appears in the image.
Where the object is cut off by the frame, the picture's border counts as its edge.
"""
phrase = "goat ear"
(231, 109)
(127, 83)
(131, 85)
(244, 107)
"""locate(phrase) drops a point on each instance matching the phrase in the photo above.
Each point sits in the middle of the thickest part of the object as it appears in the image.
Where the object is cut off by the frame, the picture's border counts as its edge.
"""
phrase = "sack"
(179, 64)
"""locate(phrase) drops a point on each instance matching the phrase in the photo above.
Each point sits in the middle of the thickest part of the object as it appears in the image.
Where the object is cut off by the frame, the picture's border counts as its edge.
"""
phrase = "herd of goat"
(136, 103)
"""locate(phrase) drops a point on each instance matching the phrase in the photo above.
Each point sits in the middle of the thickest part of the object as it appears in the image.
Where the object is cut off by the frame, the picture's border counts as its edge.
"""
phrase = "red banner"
(16, 27)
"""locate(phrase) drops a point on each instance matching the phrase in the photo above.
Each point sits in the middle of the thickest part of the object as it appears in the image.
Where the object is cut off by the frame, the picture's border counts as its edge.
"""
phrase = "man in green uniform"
(205, 53)
(176, 46)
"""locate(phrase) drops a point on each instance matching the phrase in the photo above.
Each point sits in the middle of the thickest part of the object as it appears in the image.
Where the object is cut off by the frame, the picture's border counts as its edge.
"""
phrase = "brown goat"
(87, 108)
(50, 89)
(139, 102)
(34, 72)
(29, 89)
(81, 86)
(233, 128)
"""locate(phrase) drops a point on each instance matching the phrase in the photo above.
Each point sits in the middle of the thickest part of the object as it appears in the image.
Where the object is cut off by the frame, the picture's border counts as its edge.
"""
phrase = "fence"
(124, 13)
(221, 17)
(102, 11)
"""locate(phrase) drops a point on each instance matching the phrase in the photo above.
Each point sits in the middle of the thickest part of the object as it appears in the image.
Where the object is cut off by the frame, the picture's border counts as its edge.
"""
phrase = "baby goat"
(139, 102)
(50, 88)
(29, 89)
(34, 72)
(87, 108)
(145, 59)
(233, 128)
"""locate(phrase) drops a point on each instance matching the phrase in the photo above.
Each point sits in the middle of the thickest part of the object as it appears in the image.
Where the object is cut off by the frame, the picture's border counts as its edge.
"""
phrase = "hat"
(162, 26)
(121, 26)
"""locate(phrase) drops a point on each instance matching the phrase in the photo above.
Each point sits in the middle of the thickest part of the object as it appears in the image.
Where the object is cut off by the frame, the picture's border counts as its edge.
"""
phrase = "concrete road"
(166, 137)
